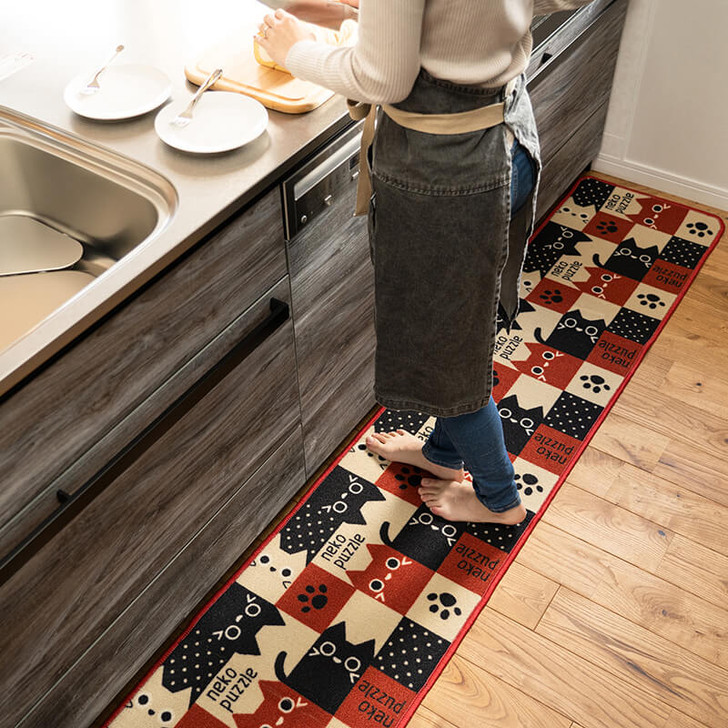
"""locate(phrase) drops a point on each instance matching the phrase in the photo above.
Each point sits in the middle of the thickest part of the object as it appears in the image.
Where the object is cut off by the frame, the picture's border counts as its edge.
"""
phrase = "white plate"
(222, 120)
(127, 90)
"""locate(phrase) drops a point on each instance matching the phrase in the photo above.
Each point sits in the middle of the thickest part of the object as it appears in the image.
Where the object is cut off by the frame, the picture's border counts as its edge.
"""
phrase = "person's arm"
(380, 68)
(544, 7)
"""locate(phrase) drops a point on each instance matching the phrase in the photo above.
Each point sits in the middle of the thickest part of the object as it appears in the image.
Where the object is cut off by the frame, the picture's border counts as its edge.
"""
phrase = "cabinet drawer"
(104, 675)
(578, 84)
(332, 290)
(553, 34)
(52, 421)
(84, 578)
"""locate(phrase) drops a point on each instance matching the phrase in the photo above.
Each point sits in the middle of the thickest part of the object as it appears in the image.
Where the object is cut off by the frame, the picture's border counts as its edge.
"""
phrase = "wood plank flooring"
(615, 612)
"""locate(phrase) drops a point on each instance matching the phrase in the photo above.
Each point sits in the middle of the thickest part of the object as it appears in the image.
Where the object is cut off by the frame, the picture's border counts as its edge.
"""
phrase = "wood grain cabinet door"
(70, 412)
(75, 589)
(332, 289)
(570, 95)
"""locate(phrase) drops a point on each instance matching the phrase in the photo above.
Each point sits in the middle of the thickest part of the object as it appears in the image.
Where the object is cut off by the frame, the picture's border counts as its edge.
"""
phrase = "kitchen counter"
(68, 38)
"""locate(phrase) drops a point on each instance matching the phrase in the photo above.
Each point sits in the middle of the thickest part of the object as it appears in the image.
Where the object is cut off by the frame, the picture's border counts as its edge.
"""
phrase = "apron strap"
(484, 117)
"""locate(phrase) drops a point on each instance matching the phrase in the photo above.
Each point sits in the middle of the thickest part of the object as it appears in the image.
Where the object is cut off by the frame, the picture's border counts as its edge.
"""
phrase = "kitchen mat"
(349, 611)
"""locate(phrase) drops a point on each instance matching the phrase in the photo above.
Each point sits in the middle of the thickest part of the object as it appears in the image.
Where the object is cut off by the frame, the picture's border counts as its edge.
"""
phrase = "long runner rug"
(350, 610)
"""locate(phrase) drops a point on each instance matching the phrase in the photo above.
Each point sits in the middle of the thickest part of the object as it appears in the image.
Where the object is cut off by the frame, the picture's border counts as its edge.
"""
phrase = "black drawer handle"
(73, 504)
(545, 58)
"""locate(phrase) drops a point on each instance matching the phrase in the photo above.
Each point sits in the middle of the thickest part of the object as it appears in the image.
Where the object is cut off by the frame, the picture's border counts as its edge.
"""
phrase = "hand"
(279, 32)
(329, 13)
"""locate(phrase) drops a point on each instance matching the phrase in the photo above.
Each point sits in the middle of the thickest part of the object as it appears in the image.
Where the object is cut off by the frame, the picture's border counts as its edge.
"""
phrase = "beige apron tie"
(462, 122)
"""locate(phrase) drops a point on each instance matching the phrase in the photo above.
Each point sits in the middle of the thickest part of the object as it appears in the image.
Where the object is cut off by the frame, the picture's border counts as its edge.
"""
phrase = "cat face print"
(574, 334)
(629, 259)
(426, 538)
(153, 706)
(329, 669)
(272, 571)
(338, 499)
(552, 243)
(282, 707)
(391, 578)
(518, 422)
(658, 214)
(229, 626)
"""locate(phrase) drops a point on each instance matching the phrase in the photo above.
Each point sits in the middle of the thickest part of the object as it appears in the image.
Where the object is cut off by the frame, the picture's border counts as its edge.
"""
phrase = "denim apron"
(446, 253)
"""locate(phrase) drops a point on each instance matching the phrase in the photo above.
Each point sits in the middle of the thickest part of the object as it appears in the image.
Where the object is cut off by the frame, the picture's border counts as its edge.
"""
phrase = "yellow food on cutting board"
(346, 35)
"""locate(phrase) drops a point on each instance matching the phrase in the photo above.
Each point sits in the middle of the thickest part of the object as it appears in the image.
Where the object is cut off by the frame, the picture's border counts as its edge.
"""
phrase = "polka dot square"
(684, 253)
(633, 325)
(411, 654)
(502, 537)
(573, 415)
(592, 193)
(400, 420)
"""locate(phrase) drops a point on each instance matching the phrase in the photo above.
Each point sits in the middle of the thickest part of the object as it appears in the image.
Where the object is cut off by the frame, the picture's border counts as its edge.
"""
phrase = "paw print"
(595, 383)
(371, 454)
(607, 226)
(409, 475)
(700, 229)
(552, 296)
(650, 300)
(530, 485)
(445, 602)
(581, 215)
(315, 598)
(496, 379)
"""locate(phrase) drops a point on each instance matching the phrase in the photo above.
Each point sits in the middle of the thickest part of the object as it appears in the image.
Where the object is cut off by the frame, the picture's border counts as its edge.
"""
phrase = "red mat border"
(510, 558)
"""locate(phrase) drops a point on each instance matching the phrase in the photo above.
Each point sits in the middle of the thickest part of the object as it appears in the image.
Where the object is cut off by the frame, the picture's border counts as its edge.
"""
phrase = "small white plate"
(222, 120)
(127, 90)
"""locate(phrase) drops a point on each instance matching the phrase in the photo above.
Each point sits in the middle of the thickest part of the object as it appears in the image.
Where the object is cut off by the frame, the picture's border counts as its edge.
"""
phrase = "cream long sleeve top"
(479, 42)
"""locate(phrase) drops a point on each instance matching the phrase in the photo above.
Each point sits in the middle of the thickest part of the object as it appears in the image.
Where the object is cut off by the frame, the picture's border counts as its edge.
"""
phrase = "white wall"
(667, 125)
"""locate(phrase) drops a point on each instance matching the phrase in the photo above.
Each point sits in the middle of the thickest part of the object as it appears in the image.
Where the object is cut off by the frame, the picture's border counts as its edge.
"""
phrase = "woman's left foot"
(456, 501)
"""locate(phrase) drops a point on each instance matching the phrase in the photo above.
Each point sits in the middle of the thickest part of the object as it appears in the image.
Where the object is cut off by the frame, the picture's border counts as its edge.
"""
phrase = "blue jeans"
(475, 439)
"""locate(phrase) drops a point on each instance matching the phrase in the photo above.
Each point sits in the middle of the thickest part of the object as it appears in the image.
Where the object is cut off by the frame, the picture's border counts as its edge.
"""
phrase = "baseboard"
(663, 181)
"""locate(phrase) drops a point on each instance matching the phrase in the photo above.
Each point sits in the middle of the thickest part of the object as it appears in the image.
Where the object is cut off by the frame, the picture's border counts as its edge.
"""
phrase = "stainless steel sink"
(108, 203)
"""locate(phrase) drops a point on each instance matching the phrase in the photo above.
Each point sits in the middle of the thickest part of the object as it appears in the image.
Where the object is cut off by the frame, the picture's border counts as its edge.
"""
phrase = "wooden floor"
(615, 612)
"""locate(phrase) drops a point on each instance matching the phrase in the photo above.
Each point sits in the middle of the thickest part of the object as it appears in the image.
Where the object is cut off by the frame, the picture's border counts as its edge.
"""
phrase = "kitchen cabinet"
(332, 290)
(569, 81)
(175, 417)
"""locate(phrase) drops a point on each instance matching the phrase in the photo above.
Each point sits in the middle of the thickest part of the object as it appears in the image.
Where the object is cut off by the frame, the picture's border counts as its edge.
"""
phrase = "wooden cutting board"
(242, 73)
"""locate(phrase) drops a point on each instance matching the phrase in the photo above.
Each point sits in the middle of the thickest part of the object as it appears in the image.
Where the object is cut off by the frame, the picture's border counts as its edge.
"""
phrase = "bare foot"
(456, 501)
(403, 447)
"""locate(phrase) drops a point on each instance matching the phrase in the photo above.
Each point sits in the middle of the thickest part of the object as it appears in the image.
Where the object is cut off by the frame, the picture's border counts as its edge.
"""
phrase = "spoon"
(93, 85)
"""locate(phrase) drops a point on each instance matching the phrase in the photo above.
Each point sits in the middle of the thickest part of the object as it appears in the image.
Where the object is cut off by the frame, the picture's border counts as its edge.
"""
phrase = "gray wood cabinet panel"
(570, 95)
(332, 289)
(558, 172)
(130, 645)
(48, 424)
(75, 587)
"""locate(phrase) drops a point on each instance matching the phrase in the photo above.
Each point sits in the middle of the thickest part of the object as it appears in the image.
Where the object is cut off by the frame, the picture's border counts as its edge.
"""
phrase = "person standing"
(455, 166)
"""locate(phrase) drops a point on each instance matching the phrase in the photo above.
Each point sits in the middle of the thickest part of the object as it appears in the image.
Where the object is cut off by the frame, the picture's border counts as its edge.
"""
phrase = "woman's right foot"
(403, 447)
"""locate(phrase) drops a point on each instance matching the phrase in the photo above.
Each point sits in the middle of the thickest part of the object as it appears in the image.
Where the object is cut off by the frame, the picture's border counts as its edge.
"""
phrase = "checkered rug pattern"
(345, 616)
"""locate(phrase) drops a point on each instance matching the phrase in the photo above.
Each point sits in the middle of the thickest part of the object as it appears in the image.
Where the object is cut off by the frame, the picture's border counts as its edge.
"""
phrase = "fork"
(93, 85)
(185, 117)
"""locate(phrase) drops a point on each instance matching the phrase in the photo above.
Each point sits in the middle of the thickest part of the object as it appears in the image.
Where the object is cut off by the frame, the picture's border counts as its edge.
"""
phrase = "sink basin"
(71, 189)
